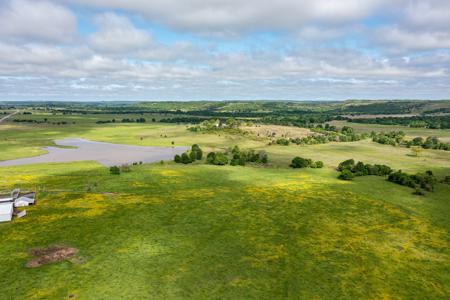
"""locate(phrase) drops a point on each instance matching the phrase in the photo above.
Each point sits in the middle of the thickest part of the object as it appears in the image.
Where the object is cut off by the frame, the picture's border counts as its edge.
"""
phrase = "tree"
(220, 159)
(346, 174)
(264, 158)
(114, 170)
(347, 130)
(211, 157)
(300, 162)
(319, 164)
(185, 159)
(282, 141)
(416, 150)
(177, 158)
(196, 152)
(360, 169)
(347, 164)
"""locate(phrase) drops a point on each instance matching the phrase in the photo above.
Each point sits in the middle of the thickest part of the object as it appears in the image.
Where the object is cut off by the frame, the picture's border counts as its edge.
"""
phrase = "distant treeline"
(190, 120)
(44, 121)
(125, 120)
(385, 107)
(307, 121)
(432, 122)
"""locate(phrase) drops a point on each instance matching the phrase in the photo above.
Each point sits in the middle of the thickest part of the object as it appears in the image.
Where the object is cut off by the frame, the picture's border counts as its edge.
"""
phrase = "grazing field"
(199, 231)
(233, 232)
(443, 134)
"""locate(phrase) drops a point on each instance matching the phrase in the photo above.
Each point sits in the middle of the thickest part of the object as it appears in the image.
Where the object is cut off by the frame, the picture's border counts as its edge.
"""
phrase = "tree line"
(420, 181)
(396, 138)
(431, 122)
(233, 156)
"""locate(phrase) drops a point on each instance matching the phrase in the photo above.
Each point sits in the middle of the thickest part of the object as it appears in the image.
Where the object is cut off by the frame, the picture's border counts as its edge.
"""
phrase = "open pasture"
(202, 231)
(442, 134)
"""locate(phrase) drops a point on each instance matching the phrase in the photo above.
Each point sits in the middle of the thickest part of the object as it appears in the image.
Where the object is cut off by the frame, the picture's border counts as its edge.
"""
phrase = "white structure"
(6, 212)
(25, 200)
(22, 201)
(14, 194)
(9, 199)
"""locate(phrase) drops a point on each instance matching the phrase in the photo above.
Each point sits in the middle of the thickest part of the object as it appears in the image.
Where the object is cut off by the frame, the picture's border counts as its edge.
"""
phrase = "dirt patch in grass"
(52, 254)
(278, 131)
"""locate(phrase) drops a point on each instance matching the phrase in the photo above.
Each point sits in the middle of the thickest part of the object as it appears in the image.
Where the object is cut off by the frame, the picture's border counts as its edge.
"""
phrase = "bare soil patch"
(278, 131)
(52, 254)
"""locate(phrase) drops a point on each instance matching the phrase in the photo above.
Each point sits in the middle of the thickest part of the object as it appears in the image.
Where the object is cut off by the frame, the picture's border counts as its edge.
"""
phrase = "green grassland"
(169, 231)
(443, 134)
(234, 232)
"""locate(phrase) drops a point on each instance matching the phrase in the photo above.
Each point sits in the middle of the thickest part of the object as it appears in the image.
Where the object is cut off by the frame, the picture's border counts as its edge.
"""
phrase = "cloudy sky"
(224, 49)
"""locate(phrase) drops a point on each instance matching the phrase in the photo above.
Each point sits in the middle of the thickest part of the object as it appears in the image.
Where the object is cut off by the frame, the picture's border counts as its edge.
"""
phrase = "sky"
(86, 50)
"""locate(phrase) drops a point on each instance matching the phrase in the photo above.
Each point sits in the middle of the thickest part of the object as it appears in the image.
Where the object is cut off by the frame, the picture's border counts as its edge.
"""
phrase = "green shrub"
(300, 162)
(346, 165)
(346, 174)
(114, 170)
(185, 159)
(217, 158)
(282, 141)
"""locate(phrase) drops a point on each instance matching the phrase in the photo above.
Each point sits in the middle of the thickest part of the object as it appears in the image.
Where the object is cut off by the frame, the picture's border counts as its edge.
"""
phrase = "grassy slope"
(367, 151)
(209, 232)
(223, 232)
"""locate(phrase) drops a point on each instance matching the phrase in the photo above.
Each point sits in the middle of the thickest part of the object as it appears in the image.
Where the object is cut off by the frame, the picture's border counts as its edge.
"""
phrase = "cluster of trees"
(216, 124)
(349, 169)
(44, 121)
(333, 134)
(430, 142)
(426, 181)
(234, 156)
(196, 153)
(300, 162)
(240, 157)
(327, 133)
(305, 121)
(446, 180)
(390, 138)
(432, 122)
(395, 138)
(188, 120)
(283, 141)
(125, 120)
(116, 170)
(313, 139)
(217, 158)
(417, 181)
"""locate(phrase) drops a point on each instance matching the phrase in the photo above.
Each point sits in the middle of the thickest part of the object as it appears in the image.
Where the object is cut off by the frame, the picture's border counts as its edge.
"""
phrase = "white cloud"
(434, 14)
(235, 16)
(36, 20)
(117, 34)
(314, 49)
(407, 39)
